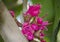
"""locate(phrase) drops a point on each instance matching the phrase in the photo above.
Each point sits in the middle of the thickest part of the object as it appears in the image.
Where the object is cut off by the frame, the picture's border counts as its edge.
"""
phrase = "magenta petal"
(42, 28)
(12, 13)
(24, 31)
(34, 10)
(42, 35)
(45, 23)
(27, 28)
(30, 36)
(43, 41)
(39, 20)
(25, 24)
(34, 27)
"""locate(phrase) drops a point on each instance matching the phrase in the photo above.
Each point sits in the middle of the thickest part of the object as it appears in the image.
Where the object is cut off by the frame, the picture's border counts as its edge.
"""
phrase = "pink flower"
(35, 27)
(43, 41)
(27, 28)
(45, 23)
(34, 23)
(24, 31)
(30, 36)
(34, 10)
(25, 24)
(39, 20)
(41, 27)
(28, 32)
(12, 13)
(41, 35)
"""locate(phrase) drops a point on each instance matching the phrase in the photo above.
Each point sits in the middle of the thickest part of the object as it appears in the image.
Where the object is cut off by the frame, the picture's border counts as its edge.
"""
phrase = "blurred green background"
(50, 7)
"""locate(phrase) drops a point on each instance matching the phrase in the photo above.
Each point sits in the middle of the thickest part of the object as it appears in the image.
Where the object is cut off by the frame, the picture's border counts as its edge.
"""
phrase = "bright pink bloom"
(34, 10)
(30, 36)
(42, 35)
(25, 24)
(12, 13)
(45, 23)
(28, 32)
(26, 27)
(41, 27)
(24, 31)
(43, 41)
(39, 20)
(34, 26)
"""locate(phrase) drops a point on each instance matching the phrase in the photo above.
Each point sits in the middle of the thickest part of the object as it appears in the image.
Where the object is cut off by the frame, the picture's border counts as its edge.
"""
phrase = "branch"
(9, 30)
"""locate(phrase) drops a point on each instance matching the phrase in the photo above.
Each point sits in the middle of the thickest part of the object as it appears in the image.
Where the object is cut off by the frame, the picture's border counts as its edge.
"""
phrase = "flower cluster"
(34, 23)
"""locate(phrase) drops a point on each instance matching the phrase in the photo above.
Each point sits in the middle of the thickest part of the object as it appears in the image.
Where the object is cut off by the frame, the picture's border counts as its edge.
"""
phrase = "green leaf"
(17, 9)
(9, 3)
(1, 40)
(12, 5)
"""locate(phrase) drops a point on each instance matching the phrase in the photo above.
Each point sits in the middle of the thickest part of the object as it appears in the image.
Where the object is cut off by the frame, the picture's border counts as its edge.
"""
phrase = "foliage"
(52, 8)
(12, 5)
